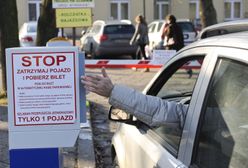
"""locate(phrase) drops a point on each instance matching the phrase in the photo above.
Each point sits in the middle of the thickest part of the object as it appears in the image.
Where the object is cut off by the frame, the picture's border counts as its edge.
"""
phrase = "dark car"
(108, 38)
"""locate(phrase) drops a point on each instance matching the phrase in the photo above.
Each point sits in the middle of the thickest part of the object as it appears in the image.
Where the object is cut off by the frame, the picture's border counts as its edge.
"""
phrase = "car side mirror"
(83, 32)
(118, 115)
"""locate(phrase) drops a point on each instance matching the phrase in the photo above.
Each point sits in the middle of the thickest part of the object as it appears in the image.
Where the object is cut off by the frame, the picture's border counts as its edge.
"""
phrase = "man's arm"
(149, 109)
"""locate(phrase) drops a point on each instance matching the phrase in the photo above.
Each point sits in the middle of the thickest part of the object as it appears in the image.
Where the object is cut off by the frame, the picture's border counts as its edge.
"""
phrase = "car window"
(96, 28)
(151, 28)
(160, 24)
(177, 85)
(222, 138)
(89, 30)
(212, 33)
(186, 26)
(31, 28)
(119, 29)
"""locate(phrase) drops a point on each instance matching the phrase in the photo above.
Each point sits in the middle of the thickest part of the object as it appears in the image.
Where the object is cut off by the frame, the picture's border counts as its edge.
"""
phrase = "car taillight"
(103, 38)
(27, 39)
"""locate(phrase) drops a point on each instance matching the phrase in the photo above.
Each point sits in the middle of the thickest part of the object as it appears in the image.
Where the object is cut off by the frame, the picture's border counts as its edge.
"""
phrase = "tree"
(208, 13)
(46, 24)
(8, 32)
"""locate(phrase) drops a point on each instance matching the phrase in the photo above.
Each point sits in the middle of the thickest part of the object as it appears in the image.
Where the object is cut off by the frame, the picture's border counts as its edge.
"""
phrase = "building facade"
(29, 10)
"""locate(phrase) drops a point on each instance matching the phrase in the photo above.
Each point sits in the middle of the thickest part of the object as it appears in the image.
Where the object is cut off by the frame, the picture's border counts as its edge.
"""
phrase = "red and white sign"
(44, 88)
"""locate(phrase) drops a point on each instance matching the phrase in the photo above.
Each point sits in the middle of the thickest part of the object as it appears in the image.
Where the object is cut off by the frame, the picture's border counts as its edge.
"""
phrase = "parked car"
(224, 28)
(155, 30)
(108, 38)
(215, 129)
(28, 33)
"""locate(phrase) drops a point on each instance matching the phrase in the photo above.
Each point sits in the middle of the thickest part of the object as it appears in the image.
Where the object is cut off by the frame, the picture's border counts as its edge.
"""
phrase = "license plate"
(121, 41)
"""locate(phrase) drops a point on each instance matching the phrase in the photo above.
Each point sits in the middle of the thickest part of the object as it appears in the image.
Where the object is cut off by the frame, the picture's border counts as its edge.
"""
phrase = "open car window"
(176, 83)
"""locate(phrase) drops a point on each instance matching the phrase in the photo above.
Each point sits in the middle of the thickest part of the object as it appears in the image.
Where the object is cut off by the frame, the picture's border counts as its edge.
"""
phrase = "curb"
(3, 112)
(86, 154)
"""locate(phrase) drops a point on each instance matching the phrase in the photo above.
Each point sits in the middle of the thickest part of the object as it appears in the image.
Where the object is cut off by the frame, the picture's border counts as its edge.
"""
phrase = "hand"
(131, 42)
(101, 85)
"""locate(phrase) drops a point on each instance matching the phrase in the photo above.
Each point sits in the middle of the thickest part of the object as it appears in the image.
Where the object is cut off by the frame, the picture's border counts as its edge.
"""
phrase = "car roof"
(225, 28)
(31, 23)
(178, 20)
(233, 40)
(112, 22)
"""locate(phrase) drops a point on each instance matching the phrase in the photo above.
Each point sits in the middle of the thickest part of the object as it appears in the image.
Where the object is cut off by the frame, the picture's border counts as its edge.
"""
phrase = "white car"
(155, 30)
(215, 131)
(27, 34)
(223, 28)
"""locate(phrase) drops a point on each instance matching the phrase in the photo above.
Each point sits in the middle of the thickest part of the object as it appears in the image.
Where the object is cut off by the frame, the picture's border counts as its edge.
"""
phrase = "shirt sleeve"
(151, 110)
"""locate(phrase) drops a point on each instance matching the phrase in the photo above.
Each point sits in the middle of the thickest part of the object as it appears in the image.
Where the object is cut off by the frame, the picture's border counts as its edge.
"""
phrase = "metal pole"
(74, 36)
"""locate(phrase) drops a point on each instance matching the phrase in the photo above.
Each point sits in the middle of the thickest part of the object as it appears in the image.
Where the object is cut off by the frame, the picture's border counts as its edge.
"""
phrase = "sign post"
(43, 104)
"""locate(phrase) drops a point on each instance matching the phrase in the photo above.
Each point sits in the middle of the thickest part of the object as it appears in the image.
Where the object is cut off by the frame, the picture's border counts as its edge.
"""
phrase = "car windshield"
(119, 29)
(31, 28)
(186, 27)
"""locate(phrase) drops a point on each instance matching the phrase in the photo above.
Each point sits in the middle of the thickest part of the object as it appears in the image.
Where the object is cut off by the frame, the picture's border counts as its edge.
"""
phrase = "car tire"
(92, 53)
(133, 56)
(94, 56)
(115, 163)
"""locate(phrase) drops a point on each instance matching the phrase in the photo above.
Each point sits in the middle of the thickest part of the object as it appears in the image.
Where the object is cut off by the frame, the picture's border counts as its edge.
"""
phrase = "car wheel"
(94, 56)
(115, 163)
(133, 56)
(92, 51)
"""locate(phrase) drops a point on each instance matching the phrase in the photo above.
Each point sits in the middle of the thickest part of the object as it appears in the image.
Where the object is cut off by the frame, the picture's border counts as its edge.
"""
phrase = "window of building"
(34, 8)
(119, 9)
(233, 9)
(194, 13)
(161, 9)
(222, 139)
(194, 9)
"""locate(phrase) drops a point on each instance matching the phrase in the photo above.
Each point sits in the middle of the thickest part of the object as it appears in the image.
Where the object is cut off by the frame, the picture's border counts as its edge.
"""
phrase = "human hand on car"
(101, 85)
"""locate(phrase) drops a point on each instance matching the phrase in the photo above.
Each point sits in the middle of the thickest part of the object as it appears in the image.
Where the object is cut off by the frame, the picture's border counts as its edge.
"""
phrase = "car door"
(151, 33)
(89, 42)
(218, 137)
(148, 147)
(154, 33)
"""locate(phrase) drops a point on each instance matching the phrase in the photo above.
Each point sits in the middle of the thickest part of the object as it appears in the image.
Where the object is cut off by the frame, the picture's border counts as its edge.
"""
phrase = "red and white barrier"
(132, 64)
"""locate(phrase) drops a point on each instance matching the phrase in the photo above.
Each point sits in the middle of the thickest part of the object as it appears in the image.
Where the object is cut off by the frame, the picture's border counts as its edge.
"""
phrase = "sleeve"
(151, 110)
(135, 35)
